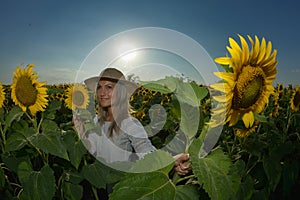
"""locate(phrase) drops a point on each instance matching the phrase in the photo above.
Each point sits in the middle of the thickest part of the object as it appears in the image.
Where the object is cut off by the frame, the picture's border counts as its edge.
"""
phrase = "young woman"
(123, 137)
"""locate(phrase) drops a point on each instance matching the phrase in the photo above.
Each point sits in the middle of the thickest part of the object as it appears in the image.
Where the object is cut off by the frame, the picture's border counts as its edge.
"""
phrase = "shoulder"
(131, 121)
(132, 125)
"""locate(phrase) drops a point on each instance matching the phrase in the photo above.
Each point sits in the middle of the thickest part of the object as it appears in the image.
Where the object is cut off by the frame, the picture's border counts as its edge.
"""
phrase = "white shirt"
(132, 137)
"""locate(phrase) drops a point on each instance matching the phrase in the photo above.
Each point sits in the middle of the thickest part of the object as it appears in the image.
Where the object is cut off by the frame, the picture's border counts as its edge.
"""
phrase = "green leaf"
(227, 68)
(13, 162)
(51, 109)
(19, 136)
(213, 172)
(157, 87)
(154, 185)
(157, 160)
(272, 163)
(24, 170)
(246, 189)
(200, 92)
(187, 192)
(185, 93)
(14, 114)
(189, 121)
(290, 175)
(15, 141)
(99, 174)
(260, 118)
(40, 185)
(71, 191)
(75, 148)
(76, 153)
(50, 141)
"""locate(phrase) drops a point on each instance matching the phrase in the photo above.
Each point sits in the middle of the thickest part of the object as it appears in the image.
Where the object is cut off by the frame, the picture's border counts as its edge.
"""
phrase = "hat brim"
(91, 84)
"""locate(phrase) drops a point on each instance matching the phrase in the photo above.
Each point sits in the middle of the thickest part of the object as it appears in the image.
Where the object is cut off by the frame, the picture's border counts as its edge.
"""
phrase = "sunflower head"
(248, 79)
(27, 92)
(77, 97)
(2, 95)
(295, 100)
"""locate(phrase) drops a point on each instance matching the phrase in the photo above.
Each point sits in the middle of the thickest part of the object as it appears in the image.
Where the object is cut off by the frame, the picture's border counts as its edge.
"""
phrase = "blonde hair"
(120, 108)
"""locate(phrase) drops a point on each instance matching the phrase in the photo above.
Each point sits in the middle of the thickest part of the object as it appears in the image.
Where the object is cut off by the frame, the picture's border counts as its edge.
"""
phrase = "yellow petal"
(248, 119)
(221, 98)
(235, 116)
(245, 49)
(234, 45)
(262, 51)
(223, 60)
(226, 76)
(222, 87)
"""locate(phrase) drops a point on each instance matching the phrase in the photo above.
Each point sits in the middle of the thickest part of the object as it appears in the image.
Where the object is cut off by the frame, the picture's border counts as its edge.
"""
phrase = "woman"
(123, 137)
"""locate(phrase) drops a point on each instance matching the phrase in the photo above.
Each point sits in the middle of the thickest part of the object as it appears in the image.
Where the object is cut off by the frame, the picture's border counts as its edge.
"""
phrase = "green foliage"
(42, 157)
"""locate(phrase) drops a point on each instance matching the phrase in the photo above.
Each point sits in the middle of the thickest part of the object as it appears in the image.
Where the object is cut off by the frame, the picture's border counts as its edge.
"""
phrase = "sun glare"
(129, 57)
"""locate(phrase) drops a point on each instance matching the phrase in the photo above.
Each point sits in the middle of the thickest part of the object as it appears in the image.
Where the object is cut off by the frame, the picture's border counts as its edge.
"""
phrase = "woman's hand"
(182, 164)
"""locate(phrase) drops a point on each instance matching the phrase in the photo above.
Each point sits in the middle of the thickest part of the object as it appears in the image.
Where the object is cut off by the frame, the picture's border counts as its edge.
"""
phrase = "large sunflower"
(27, 91)
(295, 100)
(248, 79)
(2, 95)
(77, 97)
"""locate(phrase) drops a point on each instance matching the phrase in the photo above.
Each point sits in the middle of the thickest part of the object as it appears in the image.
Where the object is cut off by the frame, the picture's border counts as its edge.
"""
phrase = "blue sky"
(57, 35)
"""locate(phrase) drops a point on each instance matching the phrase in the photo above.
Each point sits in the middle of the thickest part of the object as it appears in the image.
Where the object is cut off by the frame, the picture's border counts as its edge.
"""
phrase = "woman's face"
(105, 92)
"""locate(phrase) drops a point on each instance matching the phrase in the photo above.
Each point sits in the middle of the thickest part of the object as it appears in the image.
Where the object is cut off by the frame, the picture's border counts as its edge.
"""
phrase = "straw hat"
(111, 74)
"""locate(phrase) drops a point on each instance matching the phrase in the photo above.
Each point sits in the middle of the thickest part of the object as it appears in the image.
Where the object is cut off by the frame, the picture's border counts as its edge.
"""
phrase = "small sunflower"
(295, 100)
(276, 106)
(27, 92)
(2, 95)
(77, 97)
(248, 80)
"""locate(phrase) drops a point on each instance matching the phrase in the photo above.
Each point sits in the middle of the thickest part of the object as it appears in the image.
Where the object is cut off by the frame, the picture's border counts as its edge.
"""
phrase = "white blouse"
(132, 139)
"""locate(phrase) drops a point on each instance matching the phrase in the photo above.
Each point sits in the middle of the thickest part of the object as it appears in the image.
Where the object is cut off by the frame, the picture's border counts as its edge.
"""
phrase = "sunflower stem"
(3, 138)
(286, 128)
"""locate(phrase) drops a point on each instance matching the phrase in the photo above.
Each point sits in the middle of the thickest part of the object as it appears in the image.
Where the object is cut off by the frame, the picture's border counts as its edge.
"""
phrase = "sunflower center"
(248, 88)
(26, 93)
(296, 99)
(78, 98)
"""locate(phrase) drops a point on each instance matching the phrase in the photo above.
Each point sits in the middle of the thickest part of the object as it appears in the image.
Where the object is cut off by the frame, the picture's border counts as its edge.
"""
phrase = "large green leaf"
(272, 163)
(186, 94)
(50, 140)
(99, 174)
(213, 172)
(187, 192)
(165, 86)
(76, 153)
(154, 185)
(157, 160)
(24, 171)
(75, 148)
(51, 109)
(15, 141)
(14, 114)
(39, 185)
(19, 136)
(200, 92)
(71, 191)
(13, 163)
(189, 121)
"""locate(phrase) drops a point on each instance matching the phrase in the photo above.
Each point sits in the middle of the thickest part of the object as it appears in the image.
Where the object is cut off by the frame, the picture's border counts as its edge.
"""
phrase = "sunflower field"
(256, 155)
